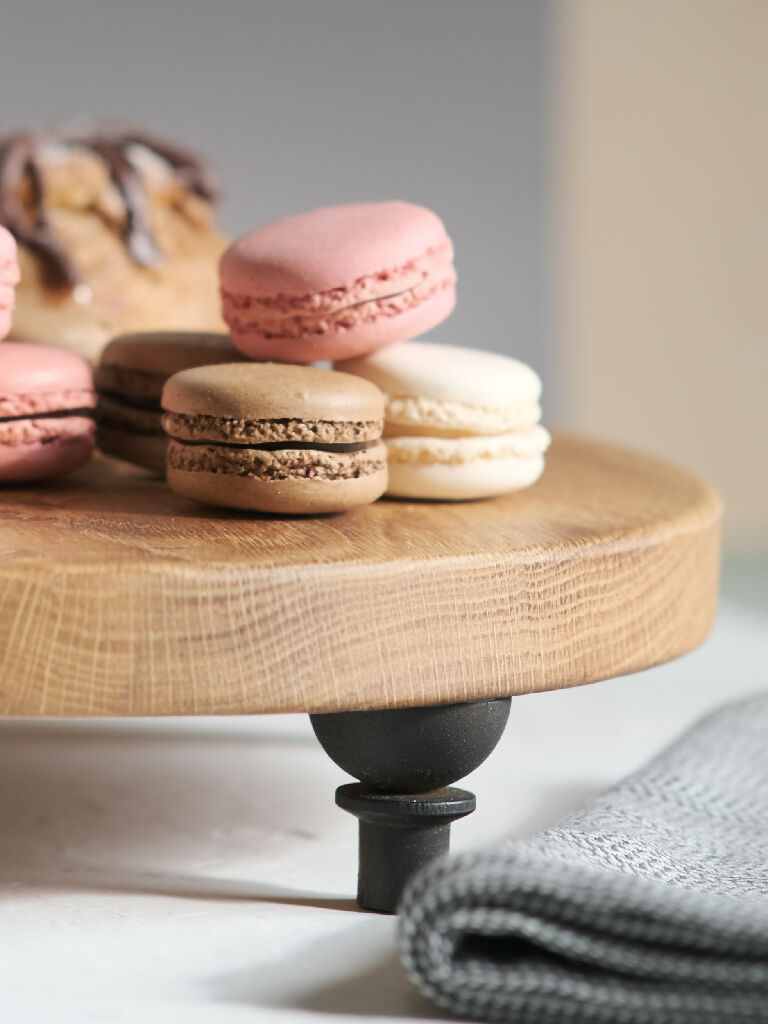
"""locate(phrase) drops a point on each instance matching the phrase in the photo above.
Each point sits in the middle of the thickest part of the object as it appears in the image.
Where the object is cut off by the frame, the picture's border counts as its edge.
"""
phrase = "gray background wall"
(309, 102)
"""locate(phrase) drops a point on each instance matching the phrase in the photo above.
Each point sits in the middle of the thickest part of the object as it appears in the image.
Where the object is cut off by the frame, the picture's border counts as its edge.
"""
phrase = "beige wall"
(662, 237)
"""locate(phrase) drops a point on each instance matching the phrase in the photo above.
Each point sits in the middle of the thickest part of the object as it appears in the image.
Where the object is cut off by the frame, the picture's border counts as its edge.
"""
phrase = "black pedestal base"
(405, 757)
(398, 835)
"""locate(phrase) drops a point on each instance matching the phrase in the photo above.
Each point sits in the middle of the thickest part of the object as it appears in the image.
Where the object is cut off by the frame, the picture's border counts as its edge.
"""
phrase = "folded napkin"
(649, 905)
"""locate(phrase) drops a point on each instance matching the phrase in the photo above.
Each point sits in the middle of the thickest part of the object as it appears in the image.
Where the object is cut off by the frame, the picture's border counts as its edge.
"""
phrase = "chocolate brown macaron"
(272, 437)
(130, 380)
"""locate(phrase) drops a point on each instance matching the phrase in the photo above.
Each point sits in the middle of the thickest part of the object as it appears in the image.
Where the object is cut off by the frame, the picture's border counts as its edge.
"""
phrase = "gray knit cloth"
(649, 905)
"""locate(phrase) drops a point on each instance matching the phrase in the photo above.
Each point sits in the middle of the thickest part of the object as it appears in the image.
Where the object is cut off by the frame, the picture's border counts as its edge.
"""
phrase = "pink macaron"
(9, 278)
(337, 282)
(46, 412)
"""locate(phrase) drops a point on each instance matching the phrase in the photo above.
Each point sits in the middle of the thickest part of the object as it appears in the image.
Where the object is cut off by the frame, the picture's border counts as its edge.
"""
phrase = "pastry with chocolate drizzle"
(115, 232)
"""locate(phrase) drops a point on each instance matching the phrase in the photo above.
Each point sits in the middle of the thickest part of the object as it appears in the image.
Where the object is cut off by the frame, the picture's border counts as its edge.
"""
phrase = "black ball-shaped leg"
(405, 758)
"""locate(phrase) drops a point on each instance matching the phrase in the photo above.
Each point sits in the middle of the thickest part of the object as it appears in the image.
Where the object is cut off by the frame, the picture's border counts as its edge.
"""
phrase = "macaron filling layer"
(130, 413)
(276, 449)
(130, 393)
(58, 414)
(372, 297)
(40, 419)
(283, 446)
(129, 401)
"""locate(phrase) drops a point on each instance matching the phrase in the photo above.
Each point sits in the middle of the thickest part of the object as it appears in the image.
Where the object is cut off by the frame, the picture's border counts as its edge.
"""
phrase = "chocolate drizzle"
(20, 161)
(284, 446)
(191, 172)
(54, 414)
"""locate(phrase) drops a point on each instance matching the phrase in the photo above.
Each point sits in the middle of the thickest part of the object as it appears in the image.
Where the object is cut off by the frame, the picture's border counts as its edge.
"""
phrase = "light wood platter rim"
(692, 531)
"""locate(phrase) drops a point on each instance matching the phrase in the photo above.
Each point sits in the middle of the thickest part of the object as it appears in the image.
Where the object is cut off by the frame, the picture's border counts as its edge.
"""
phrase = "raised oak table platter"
(118, 597)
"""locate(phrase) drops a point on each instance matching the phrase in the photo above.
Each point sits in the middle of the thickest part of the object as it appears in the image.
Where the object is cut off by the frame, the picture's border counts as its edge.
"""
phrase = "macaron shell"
(136, 366)
(36, 377)
(52, 457)
(261, 391)
(408, 415)
(462, 468)
(282, 497)
(37, 403)
(329, 248)
(35, 380)
(9, 278)
(9, 264)
(466, 481)
(124, 416)
(145, 450)
(449, 373)
(163, 353)
(347, 342)
(6, 312)
(229, 431)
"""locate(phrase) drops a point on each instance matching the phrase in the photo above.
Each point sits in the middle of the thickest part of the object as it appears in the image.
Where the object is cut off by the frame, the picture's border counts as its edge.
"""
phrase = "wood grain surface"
(118, 597)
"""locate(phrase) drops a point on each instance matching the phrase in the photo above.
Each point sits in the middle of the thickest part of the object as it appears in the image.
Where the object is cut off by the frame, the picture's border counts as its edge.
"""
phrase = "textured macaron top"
(273, 391)
(139, 364)
(452, 388)
(331, 247)
(168, 352)
(38, 379)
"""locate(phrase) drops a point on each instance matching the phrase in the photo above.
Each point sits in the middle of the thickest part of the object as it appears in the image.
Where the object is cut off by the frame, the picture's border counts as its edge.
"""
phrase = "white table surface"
(198, 870)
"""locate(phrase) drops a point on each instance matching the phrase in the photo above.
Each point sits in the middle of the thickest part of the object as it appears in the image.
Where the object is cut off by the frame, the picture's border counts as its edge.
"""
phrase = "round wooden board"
(119, 598)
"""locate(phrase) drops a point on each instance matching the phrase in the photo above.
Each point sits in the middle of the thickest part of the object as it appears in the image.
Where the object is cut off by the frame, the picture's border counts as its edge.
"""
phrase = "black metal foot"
(404, 758)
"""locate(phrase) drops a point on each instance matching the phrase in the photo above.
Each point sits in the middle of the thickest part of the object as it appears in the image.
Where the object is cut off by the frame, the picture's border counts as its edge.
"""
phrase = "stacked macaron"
(329, 284)
(337, 282)
(46, 412)
(46, 397)
(459, 423)
(130, 379)
(243, 422)
(355, 284)
(275, 438)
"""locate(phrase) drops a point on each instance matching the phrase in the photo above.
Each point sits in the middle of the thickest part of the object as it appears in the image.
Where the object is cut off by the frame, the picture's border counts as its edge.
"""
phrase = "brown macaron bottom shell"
(281, 482)
(147, 451)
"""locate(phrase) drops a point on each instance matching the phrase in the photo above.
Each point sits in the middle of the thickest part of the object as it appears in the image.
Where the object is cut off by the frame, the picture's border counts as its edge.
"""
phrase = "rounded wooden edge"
(406, 633)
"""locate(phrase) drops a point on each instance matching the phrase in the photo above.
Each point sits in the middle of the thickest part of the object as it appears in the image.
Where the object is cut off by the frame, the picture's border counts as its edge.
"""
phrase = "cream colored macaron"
(459, 423)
